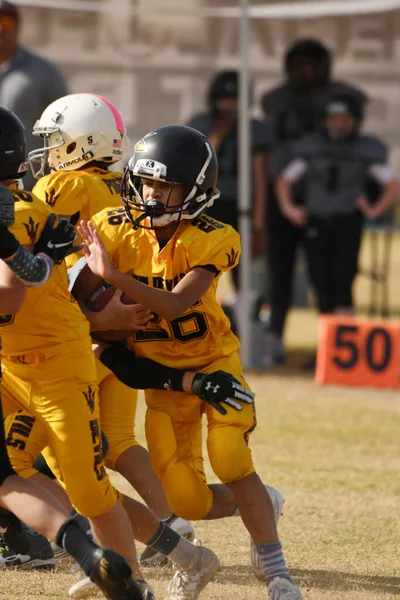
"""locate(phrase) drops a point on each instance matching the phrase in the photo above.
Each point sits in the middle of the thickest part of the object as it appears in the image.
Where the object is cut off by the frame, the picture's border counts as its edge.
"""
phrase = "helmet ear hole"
(71, 147)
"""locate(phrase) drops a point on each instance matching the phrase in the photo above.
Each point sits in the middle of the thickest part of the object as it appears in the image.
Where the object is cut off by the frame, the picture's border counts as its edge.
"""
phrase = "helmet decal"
(117, 116)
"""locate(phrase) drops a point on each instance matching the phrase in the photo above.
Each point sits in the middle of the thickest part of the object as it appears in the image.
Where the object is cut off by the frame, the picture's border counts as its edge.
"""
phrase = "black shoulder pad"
(272, 101)
(372, 149)
(307, 146)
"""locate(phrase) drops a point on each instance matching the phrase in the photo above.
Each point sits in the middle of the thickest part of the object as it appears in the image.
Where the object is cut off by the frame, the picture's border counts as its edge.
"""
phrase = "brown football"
(100, 301)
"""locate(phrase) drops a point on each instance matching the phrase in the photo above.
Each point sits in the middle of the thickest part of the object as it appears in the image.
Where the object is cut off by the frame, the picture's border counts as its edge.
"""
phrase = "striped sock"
(272, 560)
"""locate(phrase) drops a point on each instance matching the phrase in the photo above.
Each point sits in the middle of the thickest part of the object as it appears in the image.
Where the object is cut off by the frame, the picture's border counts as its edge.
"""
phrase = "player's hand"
(95, 252)
(118, 316)
(297, 215)
(221, 388)
(57, 241)
(368, 210)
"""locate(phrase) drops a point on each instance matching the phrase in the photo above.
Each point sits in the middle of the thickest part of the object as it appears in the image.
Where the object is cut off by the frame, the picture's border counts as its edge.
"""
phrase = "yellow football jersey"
(49, 314)
(202, 334)
(87, 192)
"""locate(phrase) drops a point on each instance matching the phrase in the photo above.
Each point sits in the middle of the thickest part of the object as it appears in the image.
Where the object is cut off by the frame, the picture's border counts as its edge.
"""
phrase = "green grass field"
(334, 453)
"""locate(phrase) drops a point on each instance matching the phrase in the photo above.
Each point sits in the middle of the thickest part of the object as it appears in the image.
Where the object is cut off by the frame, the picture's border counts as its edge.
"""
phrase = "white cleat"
(84, 588)
(153, 558)
(187, 585)
(277, 502)
(283, 589)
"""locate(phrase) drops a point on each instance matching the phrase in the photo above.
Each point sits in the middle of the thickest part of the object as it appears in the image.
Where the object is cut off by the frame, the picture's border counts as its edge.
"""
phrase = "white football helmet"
(78, 129)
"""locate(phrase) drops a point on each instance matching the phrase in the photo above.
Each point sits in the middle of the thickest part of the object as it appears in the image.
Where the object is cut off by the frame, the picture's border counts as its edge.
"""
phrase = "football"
(99, 301)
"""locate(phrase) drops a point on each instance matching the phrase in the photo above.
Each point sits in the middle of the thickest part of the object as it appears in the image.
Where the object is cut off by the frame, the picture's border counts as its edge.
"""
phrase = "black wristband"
(32, 270)
(8, 244)
(140, 373)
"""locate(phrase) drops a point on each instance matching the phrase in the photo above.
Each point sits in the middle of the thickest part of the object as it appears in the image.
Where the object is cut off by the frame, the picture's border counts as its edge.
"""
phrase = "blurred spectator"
(28, 83)
(335, 164)
(220, 125)
(292, 110)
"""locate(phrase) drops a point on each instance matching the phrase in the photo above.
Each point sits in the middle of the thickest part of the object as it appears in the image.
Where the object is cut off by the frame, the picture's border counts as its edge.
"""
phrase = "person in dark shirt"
(220, 125)
(336, 164)
(292, 110)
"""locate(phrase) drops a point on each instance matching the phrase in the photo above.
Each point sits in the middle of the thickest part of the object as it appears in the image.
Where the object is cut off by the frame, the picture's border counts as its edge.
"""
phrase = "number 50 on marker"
(358, 351)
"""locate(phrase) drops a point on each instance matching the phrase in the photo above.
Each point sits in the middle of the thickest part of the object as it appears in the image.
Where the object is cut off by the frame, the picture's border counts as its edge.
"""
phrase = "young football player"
(83, 135)
(49, 370)
(30, 502)
(161, 251)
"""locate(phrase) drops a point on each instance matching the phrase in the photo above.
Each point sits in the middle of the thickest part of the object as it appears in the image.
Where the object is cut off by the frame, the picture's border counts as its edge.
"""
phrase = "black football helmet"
(315, 51)
(14, 158)
(172, 154)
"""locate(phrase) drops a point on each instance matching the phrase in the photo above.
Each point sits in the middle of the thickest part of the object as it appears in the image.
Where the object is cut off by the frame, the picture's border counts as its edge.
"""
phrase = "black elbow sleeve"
(140, 373)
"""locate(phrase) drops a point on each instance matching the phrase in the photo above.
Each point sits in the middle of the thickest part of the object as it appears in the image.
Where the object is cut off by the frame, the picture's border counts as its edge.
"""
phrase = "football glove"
(57, 241)
(221, 387)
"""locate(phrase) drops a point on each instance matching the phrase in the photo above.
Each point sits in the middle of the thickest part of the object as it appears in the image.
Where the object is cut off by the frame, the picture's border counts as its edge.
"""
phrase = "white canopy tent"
(277, 10)
(245, 12)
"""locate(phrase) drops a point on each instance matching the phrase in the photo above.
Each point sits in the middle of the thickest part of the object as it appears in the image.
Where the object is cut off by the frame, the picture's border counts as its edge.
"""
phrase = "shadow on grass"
(241, 575)
(339, 581)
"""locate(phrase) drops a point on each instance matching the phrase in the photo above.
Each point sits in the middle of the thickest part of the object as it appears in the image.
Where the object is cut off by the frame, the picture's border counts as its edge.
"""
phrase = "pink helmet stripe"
(117, 116)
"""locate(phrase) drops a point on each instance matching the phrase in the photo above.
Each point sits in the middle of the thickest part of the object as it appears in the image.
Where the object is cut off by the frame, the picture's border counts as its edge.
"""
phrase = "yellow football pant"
(118, 405)
(174, 437)
(57, 392)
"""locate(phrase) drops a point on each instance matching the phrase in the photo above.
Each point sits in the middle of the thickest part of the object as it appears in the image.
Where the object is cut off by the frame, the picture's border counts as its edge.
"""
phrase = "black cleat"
(112, 574)
(22, 548)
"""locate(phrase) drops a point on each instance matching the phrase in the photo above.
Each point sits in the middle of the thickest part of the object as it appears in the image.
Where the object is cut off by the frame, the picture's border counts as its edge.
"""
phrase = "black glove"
(8, 244)
(219, 387)
(57, 242)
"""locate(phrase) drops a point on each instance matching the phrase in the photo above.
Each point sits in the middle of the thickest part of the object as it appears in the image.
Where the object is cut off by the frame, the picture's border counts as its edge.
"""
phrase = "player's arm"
(115, 315)
(29, 269)
(168, 305)
(12, 291)
(143, 373)
(383, 175)
(54, 244)
(297, 215)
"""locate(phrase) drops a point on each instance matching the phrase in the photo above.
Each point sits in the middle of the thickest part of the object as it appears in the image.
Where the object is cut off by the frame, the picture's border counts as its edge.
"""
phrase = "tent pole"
(245, 200)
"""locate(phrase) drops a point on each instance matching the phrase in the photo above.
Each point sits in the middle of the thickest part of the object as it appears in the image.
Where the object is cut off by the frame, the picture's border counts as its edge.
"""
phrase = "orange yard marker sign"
(358, 351)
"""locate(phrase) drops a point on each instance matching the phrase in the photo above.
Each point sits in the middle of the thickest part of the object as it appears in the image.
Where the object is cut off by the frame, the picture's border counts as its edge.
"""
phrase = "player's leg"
(132, 460)
(26, 438)
(283, 240)
(318, 252)
(231, 460)
(67, 404)
(346, 241)
(125, 454)
(23, 548)
(35, 506)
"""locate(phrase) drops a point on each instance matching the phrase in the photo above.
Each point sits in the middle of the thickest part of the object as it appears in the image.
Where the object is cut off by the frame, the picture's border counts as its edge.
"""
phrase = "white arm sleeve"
(383, 174)
(295, 170)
